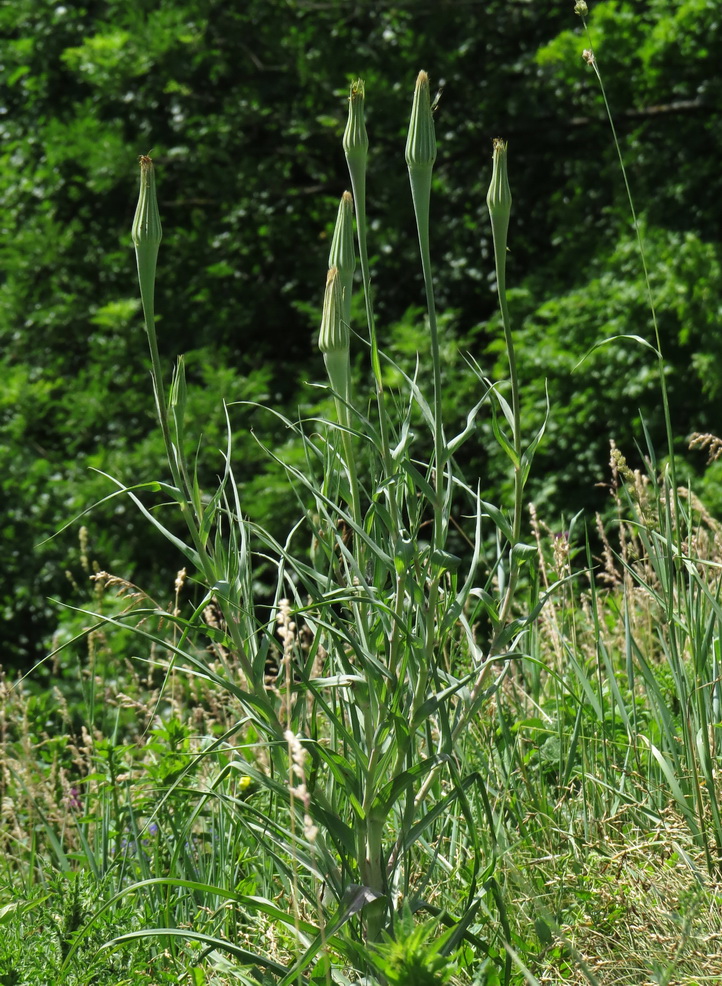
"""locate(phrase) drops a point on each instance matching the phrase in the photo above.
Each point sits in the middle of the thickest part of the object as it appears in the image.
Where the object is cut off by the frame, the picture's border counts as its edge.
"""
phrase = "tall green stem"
(591, 60)
(420, 158)
(355, 144)
(147, 234)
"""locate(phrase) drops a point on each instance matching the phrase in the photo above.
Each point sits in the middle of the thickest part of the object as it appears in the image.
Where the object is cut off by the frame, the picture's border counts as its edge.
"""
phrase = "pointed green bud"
(342, 254)
(421, 141)
(147, 233)
(355, 138)
(146, 223)
(420, 156)
(334, 334)
(498, 198)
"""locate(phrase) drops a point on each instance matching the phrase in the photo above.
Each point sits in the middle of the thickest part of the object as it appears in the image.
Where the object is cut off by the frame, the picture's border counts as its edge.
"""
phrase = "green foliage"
(416, 956)
(39, 925)
(564, 353)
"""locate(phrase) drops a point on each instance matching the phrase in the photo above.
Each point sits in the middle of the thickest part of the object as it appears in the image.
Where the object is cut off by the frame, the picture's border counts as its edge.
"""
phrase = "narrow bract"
(342, 254)
(334, 334)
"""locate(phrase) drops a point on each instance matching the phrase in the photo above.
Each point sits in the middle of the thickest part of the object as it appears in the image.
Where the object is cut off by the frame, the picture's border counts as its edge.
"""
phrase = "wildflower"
(581, 8)
(73, 800)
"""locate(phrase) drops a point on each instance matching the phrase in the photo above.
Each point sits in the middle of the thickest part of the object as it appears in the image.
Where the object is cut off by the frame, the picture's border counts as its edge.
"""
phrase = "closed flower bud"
(498, 198)
(421, 141)
(355, 138)
(146, 223)
(147, 233)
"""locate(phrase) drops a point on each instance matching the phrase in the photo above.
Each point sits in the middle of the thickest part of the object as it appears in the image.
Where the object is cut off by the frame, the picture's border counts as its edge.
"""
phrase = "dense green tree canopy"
(243, 106)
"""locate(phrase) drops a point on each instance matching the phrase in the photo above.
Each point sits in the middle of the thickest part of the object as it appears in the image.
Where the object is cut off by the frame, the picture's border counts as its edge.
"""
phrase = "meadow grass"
(449, 744)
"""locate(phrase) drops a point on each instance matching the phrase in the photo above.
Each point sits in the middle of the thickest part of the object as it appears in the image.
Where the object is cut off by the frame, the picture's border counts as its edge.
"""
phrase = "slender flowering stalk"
(581, 9)
(420, 158)
(334, 342)
(355, 146)
(498, 201)
(147, 234)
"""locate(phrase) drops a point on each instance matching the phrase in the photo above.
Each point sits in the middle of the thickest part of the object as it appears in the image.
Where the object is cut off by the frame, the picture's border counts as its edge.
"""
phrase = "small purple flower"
(73, 800)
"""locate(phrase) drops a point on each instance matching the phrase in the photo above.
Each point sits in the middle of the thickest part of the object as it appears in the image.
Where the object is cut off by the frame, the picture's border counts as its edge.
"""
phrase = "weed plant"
(357, 745)
(412, 764)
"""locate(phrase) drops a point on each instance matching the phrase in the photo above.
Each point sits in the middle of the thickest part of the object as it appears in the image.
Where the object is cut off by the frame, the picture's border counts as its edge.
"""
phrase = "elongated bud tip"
(498, 198)
(334, 334)
(355, 138)
(342, 253)
(147, 229)
(421, 141)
